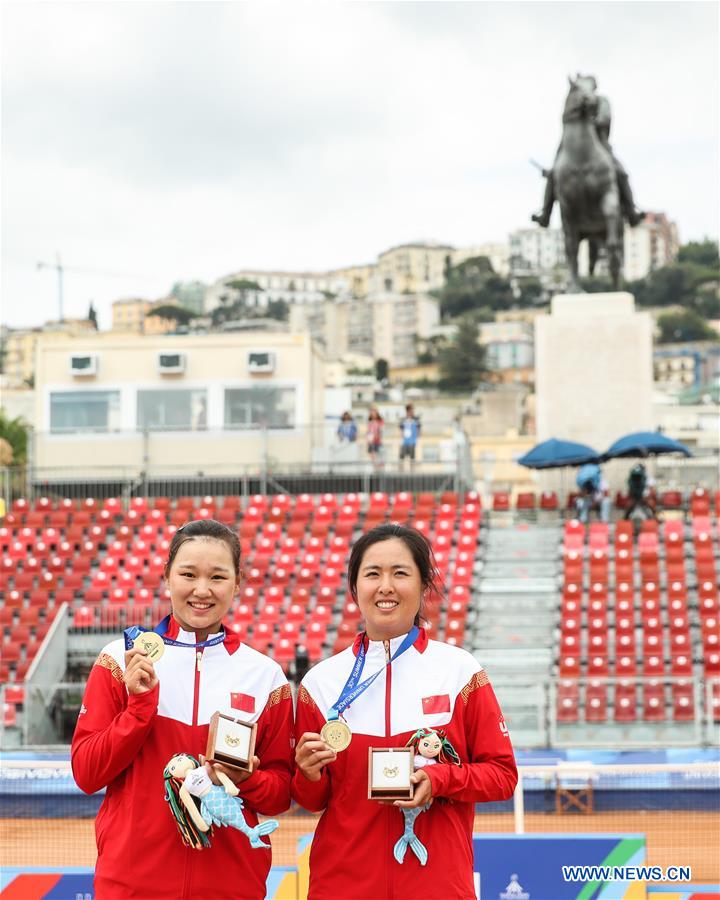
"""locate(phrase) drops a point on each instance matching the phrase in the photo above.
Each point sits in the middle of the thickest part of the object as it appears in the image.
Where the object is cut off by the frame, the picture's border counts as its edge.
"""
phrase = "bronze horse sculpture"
(589, 183)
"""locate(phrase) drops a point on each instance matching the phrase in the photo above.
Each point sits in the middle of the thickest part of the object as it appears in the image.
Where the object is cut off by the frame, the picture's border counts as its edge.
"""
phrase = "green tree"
(684, 326)
(381, 369)
(473, 284)
(92, 315)
(178, 314)
(15, 432)
(462, 361)
(245, 285)
(700, 253)
(532, 292)
(276, 309)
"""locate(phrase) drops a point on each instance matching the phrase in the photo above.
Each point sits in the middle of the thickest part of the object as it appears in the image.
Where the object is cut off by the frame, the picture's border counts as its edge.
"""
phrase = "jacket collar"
(174, 631)
(420, 644)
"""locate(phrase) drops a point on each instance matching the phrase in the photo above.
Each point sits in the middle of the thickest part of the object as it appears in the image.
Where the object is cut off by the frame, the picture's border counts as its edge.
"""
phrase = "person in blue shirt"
(593, 493)
(410, 432)
(347, 429)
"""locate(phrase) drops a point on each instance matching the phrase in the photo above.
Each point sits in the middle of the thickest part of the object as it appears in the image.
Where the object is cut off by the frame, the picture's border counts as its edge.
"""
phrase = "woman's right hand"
(139, 674)
(312, 754)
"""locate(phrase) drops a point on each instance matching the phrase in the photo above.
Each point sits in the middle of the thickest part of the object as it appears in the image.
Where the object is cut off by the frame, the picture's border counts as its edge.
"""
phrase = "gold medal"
(151, 643)
(336, 734)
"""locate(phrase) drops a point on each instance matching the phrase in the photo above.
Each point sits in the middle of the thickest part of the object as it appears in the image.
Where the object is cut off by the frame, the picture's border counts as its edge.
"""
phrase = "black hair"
(417, 544)
(204, 528)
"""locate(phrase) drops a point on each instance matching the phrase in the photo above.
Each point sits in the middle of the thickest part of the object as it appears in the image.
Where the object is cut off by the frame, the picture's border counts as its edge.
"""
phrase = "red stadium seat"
(501, 501)
(625, 707)
(549, 500)
(681, 664)
(683, 702)
(84, 617)
(653, 703)
(596, 702)
(671, 500)
(567, 701)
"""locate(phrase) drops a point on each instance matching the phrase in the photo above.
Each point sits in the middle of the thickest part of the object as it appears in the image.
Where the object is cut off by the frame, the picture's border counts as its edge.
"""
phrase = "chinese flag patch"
(243, 702)
(437, 704)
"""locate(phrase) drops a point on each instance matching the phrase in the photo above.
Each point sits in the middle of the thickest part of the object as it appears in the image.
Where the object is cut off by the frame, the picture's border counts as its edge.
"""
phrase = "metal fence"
(50, 710)
(102, 482)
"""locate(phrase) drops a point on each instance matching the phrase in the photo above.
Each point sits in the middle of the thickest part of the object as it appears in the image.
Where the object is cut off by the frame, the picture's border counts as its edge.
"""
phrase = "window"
(257, 406)
(84, 411)
(177, 410)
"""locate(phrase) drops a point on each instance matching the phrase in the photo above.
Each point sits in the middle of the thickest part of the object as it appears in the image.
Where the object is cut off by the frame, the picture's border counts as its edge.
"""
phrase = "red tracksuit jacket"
(431, 685)
(125, 741)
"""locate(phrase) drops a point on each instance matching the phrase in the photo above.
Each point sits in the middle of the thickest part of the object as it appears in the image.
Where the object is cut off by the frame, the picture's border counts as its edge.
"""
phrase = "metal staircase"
(516, 611)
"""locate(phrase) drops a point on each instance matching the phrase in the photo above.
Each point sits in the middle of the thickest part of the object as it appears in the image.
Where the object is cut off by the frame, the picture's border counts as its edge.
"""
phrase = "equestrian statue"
(589, 183)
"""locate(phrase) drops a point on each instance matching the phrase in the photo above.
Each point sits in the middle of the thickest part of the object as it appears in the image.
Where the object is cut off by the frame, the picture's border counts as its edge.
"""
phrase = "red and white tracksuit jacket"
(125, 741)
(431, 685)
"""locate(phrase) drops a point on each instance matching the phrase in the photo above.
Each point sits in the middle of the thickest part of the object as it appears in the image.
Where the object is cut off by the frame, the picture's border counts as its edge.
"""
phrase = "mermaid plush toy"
(431, 747)
(188, 785)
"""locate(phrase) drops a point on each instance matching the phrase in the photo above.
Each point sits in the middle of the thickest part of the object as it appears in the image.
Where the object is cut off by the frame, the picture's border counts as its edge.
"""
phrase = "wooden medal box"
(231, 742)
(389, 771)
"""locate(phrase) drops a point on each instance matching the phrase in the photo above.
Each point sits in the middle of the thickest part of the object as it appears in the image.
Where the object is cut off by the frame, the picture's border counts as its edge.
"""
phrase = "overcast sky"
(154, 142)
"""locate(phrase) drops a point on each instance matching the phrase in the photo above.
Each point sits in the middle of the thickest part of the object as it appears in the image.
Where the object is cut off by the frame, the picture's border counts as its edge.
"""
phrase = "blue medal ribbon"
(135, 631)
(352, 689)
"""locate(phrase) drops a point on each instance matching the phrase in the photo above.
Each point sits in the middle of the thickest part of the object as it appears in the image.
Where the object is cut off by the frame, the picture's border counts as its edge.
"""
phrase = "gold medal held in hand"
(336, 734)
(151, 643)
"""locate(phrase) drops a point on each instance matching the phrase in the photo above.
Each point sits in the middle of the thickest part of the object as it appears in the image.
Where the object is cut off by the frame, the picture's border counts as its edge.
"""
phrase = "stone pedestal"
(593, 369)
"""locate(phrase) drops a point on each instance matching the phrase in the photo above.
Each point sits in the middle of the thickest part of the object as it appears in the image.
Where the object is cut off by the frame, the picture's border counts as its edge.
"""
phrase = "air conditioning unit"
(171, 363)
(261, 362)
(83, 365)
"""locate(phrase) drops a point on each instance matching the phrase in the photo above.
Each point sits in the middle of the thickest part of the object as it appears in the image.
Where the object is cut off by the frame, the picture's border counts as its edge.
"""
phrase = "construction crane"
(61, 269)
(57, 265)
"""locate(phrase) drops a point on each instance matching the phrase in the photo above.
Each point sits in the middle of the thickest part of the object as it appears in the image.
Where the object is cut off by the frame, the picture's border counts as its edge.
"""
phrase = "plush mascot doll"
(197, 804)
(431, 747)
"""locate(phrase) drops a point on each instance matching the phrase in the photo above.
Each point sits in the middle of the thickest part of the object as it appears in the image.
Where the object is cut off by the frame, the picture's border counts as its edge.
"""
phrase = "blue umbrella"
(645, 443)
(554, 454)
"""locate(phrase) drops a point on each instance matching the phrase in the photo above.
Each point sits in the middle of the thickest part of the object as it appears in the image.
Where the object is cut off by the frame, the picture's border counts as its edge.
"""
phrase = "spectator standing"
(639, 493)
(410, 432)
(347, 429)
(374, 434)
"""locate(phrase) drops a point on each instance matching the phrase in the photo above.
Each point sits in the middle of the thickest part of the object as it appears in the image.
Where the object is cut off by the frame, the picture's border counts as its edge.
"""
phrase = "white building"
(119, 401)
(382, 326)
(509, 345)
(651, 245)
(498, 254)
(292, 287)
(412, 268)
(536, 250)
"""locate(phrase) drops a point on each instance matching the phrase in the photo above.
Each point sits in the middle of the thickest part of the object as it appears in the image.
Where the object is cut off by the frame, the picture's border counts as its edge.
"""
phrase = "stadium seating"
(646, 631)
(106, 561)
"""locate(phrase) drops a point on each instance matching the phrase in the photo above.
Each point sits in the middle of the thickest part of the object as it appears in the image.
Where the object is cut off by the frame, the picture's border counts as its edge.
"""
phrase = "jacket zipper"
(389, 810)
(189, 860)
(196, 689)
(388, 687)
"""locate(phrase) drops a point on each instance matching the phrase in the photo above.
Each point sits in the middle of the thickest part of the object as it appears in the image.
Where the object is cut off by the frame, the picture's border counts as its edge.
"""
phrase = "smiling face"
(429, 746)
(179, 766)
(202, 584)
(389, 589)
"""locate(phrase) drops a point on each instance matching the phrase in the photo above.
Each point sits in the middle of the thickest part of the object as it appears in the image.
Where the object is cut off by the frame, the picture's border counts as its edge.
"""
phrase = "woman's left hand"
(422, 794)
(232, 774)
